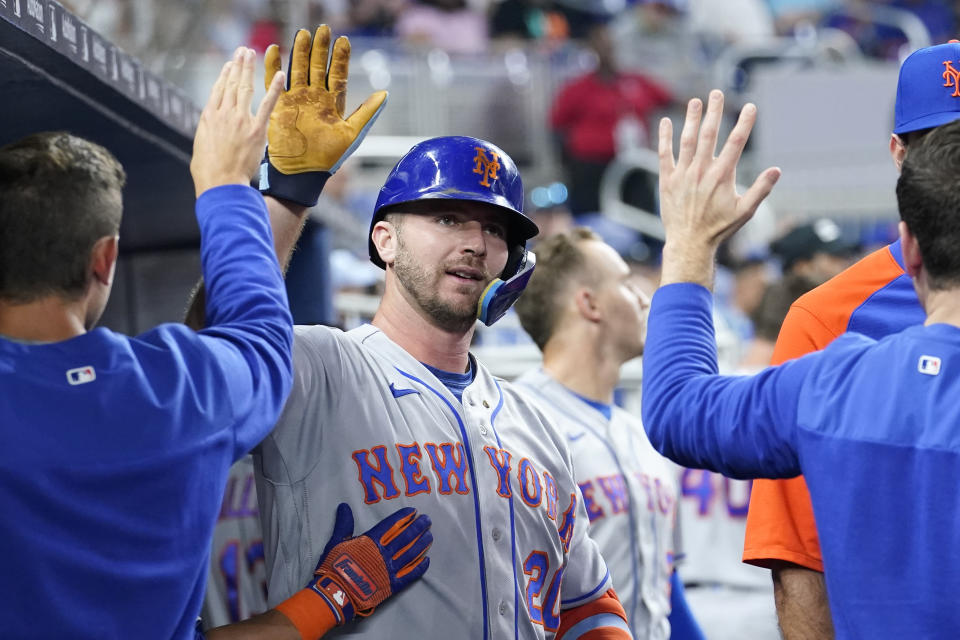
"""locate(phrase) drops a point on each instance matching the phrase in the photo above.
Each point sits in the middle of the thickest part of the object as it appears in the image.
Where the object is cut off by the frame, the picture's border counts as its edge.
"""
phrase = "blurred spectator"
(938, 16)
(264, 32)
(552, 216)
(769, 315)
(886, 41)
(228, 22)
(816, 251)
(527, 20)
(750, 279)
(451, 25)
(595, 113)
(658, 16)
(788, 14)
(731, 21)
(374, 18)
(655, 38)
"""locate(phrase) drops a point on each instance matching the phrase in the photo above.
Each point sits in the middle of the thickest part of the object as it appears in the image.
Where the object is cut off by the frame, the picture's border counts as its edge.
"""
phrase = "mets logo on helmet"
(951, 75)
(485, 166)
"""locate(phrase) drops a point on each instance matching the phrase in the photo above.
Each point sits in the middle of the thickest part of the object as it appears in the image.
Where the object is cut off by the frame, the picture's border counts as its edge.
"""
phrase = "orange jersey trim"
(607, 603)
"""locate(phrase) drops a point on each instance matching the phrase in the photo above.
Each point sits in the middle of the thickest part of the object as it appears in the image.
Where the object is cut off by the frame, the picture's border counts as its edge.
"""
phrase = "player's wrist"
(203, 185)
(311, 613)
(298, 188)
(688, 261)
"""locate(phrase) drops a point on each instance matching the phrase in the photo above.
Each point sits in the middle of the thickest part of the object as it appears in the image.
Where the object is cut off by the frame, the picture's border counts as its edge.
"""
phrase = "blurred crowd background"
(572, 89)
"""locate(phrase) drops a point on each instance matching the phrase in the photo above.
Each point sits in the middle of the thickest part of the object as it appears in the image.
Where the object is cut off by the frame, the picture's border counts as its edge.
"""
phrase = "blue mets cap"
(928, 91)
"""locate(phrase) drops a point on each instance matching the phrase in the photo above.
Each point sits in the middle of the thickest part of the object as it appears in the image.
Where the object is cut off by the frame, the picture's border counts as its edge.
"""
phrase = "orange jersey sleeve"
(780, 523)
(600, 619)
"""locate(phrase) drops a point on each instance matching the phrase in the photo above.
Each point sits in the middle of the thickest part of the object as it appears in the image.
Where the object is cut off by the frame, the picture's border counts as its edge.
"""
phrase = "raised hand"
(229, 140)
(699, 203)
(309, 138)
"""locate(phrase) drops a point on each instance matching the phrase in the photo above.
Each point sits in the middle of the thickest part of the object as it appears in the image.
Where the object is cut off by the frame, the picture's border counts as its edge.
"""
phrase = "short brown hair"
(559, 262)
(59, 194)
(929, 202)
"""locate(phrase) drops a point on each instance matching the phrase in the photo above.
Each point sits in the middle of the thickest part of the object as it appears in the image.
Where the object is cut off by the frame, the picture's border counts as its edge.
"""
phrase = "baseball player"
(398, 413)
(729, 599)
(237, 582)
(870, 424)
(587, 316)
(874, 297)
(116, 448)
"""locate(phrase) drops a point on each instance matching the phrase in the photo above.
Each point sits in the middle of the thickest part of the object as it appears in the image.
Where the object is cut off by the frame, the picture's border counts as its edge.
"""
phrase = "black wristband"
(301, 188)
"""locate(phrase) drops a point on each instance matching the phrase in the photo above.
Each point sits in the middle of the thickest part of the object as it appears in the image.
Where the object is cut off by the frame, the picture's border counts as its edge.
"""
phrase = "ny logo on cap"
(950, 76)
(485, 166)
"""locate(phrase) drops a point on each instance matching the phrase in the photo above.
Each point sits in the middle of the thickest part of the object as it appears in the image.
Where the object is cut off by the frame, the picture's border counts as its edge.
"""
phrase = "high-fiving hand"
(309, 138)
(229, 140)
(699, 203)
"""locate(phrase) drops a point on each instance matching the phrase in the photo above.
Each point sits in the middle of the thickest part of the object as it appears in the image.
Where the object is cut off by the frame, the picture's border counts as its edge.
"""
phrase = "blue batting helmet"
(459, 168)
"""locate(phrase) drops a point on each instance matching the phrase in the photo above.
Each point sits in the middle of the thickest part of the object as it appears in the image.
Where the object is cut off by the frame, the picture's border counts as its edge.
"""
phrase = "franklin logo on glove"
(357, 578)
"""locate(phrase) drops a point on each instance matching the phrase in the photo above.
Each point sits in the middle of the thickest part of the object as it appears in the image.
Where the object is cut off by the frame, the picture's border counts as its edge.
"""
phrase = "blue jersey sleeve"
(241, 370)
(740, 426)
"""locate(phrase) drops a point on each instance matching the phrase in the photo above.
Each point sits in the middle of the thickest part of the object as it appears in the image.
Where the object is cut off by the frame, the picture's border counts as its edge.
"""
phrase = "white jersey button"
(496, 534)
(502, 608)
(486, 405)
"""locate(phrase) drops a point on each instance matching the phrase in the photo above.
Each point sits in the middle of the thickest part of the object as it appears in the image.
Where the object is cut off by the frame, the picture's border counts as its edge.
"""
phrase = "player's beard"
(422, 284)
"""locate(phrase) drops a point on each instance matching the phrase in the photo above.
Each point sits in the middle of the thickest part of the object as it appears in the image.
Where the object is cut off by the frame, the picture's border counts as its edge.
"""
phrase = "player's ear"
(384, 236)
(103, 259)
(587, 304)
(898, 150)
(912, 260)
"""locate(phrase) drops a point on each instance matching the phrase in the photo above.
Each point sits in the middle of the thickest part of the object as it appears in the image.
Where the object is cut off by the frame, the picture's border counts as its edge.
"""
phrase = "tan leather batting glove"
(308, 137)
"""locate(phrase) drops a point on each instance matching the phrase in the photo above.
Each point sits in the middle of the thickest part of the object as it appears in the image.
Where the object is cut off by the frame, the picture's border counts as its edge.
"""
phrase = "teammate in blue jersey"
(115, 449)
(871, 425)
(874, 297)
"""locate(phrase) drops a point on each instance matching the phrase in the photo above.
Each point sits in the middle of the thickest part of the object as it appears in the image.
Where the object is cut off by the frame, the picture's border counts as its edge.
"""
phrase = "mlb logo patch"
(81, 375)
(929, 365)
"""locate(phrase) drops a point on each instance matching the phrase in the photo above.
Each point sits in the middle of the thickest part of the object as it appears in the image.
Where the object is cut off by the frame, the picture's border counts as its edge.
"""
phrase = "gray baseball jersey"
(236, 585)
(630, 495)
(368, 425)
(714, 512)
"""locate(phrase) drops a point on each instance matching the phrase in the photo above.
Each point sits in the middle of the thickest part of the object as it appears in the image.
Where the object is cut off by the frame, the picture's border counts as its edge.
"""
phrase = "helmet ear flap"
(500, 294)
(515, 260)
